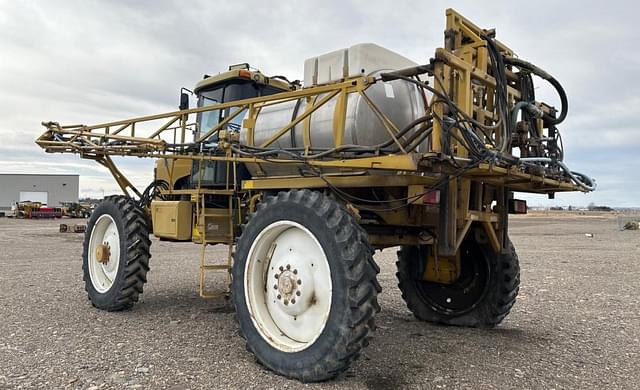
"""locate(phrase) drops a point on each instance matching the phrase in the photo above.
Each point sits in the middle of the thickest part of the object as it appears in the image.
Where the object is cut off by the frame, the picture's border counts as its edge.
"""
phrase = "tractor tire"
(304, 286)
(114, 280)
(482, 296)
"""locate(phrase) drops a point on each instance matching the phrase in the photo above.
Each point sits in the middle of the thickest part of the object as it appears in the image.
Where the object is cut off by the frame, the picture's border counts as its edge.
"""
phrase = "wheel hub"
(103, 253)
(290, 295)
(286, 283)
(288, 286)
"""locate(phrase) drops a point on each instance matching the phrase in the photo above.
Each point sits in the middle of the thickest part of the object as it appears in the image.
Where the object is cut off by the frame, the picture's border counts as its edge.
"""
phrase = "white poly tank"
(399, 100)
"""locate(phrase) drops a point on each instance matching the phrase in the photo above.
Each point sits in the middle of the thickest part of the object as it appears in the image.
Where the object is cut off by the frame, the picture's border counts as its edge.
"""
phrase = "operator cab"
(236, 84)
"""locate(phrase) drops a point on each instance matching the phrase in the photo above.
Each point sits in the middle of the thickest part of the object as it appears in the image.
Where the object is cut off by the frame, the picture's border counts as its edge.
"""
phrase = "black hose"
(405, 130)
(414, 142)
(497, 65)
(344, 148)
(470, 141)
(546, 76)
(152, 191)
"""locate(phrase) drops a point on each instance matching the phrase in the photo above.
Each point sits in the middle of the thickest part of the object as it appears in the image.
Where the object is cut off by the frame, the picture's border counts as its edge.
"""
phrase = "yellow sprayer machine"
(303, 181)
(35, 210)
(76, 210)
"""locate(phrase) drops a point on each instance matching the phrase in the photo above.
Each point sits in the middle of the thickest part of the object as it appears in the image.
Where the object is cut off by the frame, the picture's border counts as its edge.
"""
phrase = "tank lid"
(358, 60)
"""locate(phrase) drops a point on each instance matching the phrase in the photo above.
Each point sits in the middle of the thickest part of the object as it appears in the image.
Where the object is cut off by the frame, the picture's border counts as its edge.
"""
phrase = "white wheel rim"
(291, 310)
(104, 232)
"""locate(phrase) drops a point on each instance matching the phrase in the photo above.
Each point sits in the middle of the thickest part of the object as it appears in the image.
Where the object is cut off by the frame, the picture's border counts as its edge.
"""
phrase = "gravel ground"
(576, 323)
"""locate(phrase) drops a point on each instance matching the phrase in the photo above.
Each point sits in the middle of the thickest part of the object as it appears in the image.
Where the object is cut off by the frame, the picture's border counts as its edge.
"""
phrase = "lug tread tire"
(491, 311)
(131, 278)
(362, 288)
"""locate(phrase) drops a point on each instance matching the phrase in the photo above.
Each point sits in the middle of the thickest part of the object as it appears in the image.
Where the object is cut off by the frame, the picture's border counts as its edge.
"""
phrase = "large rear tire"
(115, 255)
(482, 296)
(304, 286)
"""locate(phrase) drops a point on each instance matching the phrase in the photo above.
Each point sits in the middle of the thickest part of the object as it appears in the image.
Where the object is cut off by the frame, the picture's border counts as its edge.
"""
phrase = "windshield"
(209, 119)
(229, 92)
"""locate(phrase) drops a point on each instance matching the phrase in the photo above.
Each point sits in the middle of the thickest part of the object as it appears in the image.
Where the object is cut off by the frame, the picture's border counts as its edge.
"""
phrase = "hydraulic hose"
(546, 76)
(533, 110)
(587, 183)
(498, 69)
(355, 148)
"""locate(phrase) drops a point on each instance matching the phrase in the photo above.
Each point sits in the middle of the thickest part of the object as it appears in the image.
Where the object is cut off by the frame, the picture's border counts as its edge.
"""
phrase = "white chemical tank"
(402, 102)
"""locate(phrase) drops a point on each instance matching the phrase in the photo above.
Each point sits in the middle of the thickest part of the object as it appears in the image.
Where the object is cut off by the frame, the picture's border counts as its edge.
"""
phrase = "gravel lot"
(576, 323)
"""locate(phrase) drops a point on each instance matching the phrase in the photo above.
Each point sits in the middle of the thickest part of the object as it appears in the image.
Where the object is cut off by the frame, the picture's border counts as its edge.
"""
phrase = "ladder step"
(215, 267)
(215, 295)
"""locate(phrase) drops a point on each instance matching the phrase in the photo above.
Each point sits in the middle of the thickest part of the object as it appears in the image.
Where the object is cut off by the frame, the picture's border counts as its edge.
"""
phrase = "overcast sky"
(90, 62)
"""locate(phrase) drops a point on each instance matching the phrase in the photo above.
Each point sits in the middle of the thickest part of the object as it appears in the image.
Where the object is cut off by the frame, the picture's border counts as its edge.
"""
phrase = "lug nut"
(298, 293)
(295, 271)
(279, 296)
(281, 268)
(276, 276)
(286, 302)
(299, 281)
(288, 266)
(293, 300)
(275, 286)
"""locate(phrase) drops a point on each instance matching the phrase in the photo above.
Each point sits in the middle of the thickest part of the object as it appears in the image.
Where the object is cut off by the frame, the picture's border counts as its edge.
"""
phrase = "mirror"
(184, 101)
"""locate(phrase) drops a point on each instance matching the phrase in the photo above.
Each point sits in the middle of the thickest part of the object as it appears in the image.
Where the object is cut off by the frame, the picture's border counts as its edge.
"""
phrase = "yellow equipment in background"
(24, 209)
(36, 210)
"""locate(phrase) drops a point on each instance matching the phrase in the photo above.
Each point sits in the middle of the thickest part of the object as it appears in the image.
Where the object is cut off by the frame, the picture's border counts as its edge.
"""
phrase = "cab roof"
(241, 74)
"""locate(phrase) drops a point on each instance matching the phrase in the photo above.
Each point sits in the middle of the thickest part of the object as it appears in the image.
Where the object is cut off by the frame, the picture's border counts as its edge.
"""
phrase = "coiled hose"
(522, 64)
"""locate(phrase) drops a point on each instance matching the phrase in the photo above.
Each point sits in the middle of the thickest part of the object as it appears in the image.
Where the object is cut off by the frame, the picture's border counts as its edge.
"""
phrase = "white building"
(48, 189)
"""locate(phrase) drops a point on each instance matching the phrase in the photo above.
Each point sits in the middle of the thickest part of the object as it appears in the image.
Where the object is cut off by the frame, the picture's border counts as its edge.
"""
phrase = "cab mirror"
(184, 101)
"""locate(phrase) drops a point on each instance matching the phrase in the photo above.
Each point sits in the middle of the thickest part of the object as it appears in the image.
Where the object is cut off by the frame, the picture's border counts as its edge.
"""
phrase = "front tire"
(304, 286)
(482, 296)
(115, 256)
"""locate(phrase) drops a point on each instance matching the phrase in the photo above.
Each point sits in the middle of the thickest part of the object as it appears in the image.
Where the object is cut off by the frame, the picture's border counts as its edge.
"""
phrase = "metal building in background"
(47, 189)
